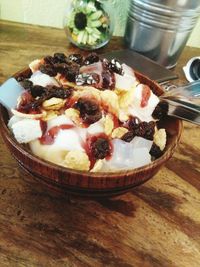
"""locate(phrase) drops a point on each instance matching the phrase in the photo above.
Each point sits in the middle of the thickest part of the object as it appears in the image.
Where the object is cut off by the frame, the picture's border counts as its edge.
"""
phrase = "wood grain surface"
(156, 224)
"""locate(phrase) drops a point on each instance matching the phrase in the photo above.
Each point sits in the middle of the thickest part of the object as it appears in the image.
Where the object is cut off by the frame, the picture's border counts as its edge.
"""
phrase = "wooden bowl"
(85, 183)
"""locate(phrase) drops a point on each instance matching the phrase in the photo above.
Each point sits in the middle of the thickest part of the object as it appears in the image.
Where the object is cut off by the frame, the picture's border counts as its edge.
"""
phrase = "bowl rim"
(158, 161)
(109, 175)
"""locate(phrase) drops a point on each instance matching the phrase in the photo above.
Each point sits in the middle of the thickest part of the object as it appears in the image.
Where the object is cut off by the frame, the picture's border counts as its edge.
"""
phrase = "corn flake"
(160, 138)
(97, 166)
(78, 160)
(110, 100)
(108, 124)
(28, 116)
(119, 132)
(126, 98)
(90, 92)
(73, 114)
(53, 103)
(50, 114)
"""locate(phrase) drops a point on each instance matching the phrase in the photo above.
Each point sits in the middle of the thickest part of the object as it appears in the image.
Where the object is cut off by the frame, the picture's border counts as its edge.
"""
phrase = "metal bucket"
(159, 29)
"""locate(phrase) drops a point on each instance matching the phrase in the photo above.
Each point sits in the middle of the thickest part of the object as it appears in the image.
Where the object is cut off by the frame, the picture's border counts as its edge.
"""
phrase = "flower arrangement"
(88, 25)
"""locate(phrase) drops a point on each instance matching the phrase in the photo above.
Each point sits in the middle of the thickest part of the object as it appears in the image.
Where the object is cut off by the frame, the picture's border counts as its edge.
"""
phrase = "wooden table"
(156, 224)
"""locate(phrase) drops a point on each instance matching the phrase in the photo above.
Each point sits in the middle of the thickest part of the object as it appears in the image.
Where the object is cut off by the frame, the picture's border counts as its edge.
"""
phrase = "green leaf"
(80, 37)
(96, 15)
(95, 23)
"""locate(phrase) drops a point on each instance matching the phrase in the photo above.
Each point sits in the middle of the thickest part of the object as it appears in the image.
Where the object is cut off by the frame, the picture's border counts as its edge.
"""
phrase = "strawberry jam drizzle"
(70, 102)
(146, 92)
(25, 105)
(115, 121)
(48, 137)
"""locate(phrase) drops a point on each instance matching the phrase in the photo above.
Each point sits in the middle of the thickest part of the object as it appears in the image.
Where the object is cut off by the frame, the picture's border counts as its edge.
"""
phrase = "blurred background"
(50, 13)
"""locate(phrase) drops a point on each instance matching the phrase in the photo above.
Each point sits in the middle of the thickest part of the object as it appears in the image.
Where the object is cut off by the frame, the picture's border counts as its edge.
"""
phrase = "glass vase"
(89, 23)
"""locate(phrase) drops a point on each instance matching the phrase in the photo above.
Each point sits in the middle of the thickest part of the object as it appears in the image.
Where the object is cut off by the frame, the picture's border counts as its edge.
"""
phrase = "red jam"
(25, 105)
(70, 102)
(49, 136)
(146, 92)
(115, 121)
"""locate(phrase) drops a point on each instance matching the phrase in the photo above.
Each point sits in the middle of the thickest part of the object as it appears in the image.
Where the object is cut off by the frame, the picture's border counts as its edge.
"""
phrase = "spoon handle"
(190, 90)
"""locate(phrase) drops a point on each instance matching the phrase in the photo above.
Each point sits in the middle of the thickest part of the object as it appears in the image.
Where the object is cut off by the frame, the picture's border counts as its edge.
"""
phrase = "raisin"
(145, 129)
(106, 79)
(160, 110)
(71, 75)
(89, 110)
(49, 60)
(72, 72)
(62, 68)
(59, 92)
(115, 66)
(155, 151)
(20, 78)
(128, 137)
(26, 84)
(49, 70)
(60, 58)
(37, 90)
(91, 58)
(77, 58)
(133, 122)
(100, 148)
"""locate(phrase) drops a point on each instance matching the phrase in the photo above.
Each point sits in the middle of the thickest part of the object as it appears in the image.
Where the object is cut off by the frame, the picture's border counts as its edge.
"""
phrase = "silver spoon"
(183, 101)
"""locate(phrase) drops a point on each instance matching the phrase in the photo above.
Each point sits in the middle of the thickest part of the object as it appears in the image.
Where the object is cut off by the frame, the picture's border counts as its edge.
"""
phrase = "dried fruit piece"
(100, 148)
(108, 80)
(77, 159)
(37, 90)
(89, 110)
(133, 122)
(60, 58)
(77, 58)
(69, 70)
(26, 84)
(143, 129)
(49, 60)
(128, 137)
(115, 66)
(48, 69)
(72, 72)
(160, 110)
(91, 58)
(119, 132)
(155, 151)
